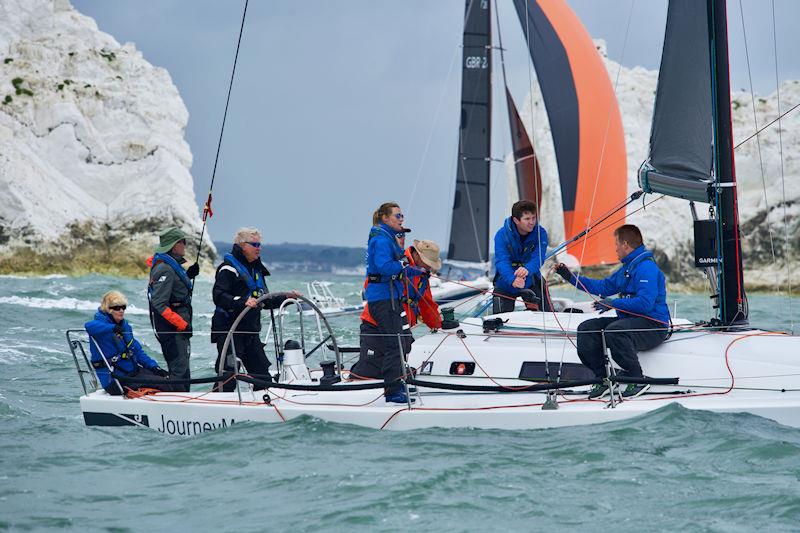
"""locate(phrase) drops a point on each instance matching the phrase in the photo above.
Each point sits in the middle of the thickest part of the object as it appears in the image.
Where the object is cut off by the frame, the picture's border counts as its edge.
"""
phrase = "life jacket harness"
(124, 354)
(379, 278)
(254, 281)
(628, 269)
(421, 287)
(526, 250)
(179, 270)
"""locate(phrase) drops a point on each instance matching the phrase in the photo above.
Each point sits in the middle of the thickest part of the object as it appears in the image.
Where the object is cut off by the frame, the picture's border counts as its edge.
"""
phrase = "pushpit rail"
(278, 331)
(83, 363)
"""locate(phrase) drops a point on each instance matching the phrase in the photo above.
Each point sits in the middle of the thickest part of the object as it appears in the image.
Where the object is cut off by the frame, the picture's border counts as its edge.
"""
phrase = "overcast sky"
(341, 105)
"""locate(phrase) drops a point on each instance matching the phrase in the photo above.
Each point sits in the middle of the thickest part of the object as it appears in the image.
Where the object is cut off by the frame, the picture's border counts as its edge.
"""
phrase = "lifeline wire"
(765, 126)
(207, 212)
(758, 143)
(787, 249)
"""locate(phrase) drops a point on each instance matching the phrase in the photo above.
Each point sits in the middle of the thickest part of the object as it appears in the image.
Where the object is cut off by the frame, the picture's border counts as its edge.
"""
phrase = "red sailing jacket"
(416, 297)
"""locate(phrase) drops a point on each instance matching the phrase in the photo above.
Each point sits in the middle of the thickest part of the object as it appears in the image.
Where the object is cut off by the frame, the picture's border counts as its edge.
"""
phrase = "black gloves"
(193, 271)
(602, 305)
(564, 272)
(158, 371)
(118, 329)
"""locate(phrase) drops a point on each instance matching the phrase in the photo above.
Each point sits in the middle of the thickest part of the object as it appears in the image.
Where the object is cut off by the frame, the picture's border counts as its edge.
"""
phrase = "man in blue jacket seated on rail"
(520, 247)
(642, 320)
(110, 333)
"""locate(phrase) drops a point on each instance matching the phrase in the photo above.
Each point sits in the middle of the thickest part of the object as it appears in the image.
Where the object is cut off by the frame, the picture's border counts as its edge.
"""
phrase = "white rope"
(758, 143)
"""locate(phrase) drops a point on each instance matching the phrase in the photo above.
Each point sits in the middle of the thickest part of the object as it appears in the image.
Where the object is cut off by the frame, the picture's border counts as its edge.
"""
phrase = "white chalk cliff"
(667, 223)
(92, 145)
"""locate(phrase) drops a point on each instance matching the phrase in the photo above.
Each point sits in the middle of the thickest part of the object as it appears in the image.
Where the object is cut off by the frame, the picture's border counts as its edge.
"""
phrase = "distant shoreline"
(321, 260)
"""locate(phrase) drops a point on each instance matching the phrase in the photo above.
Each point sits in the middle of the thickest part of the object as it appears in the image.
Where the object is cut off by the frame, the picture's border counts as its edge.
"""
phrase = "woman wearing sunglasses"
(383, 293)
(112, 335)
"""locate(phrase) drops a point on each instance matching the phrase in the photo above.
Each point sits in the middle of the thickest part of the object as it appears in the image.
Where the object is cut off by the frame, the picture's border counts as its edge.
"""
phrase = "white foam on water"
(48, 276)
(61, 303)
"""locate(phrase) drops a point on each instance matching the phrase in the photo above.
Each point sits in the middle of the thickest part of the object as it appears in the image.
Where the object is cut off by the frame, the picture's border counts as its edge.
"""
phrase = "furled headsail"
(680, 139)
(469, 228)
(526, 165)
(584, 119)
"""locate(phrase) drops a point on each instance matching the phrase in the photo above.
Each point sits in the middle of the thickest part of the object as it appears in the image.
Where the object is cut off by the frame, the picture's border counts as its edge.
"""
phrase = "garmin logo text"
(707, 260)
(186, 427)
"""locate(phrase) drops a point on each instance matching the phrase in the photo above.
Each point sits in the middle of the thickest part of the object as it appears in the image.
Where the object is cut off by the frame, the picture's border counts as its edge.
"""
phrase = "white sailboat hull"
(186, 417)
(741, 372)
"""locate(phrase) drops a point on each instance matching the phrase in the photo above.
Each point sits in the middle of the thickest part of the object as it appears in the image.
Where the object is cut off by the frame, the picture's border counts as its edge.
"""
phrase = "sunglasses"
(254, 244)
(400, 235)
(399, 216)
(118, 307)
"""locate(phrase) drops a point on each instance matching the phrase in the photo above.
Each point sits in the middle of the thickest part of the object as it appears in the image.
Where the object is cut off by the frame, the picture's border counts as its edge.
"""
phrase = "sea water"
(671, 469)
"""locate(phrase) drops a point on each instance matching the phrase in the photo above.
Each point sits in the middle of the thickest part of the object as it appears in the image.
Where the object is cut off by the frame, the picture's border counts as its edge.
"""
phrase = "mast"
(469, 228)
(733, 307)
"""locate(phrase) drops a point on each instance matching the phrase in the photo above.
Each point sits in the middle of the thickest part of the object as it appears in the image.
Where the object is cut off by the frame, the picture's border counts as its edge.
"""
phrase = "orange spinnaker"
(602, 169)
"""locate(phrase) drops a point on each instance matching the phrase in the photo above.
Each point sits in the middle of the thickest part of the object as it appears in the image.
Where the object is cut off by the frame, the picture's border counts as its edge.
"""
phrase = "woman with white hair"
(240, 280)
(115, 353)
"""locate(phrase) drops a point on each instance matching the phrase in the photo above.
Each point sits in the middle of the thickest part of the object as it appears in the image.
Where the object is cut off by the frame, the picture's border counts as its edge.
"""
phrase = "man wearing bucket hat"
(422, 258)
(169, 292)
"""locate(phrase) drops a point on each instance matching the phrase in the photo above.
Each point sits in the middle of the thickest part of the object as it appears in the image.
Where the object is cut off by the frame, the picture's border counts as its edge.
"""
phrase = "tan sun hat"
(429, 253)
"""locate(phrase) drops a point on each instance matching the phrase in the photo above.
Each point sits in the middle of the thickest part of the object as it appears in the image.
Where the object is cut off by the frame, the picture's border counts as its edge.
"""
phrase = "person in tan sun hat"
(423, 259)
(428, 251)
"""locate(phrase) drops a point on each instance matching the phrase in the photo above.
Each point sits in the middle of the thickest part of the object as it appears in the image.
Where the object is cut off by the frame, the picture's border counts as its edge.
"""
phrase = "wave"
(48, 276)
(62, 303)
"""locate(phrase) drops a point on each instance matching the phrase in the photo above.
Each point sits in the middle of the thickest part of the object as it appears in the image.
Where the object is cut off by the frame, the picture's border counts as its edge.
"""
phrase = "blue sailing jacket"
(383, 259)
(640, 284)
(125, 355)
(511, 251)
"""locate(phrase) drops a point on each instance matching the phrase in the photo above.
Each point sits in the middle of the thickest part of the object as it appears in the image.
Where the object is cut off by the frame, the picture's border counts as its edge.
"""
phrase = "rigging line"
(758, 144)
(497, 183)
(536, 191)
(533, 129)
(207, 207)
(780, 116)
(602, 155)
(433, 128)
(787, 250)
(608, 123)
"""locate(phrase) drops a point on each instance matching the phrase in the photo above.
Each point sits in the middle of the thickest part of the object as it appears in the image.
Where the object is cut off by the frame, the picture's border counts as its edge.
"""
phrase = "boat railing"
(83, 363)
(301, 303)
